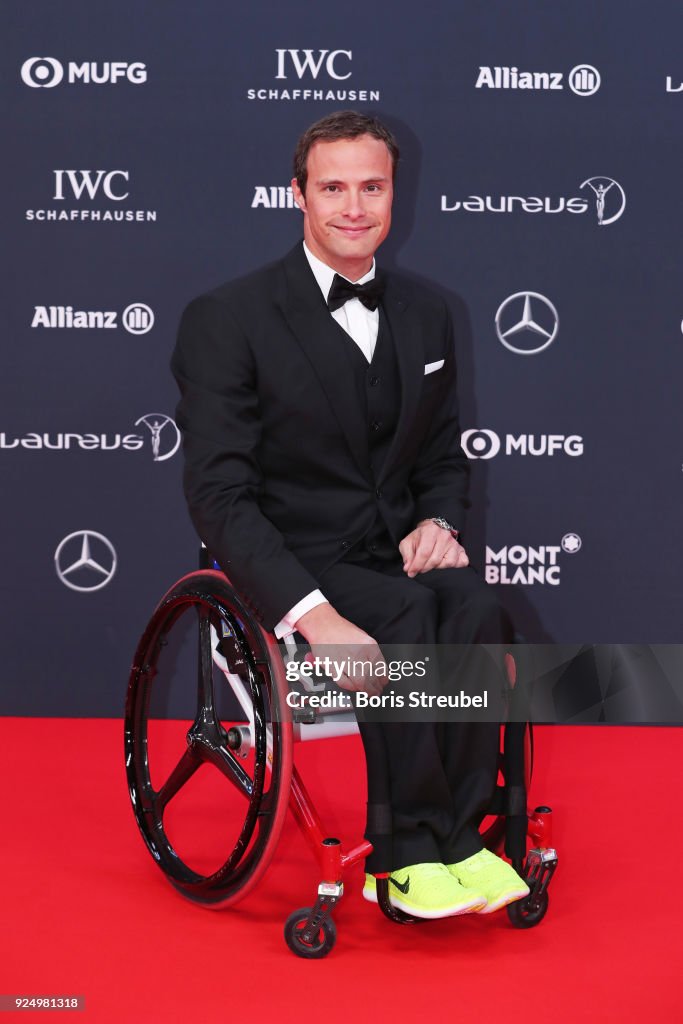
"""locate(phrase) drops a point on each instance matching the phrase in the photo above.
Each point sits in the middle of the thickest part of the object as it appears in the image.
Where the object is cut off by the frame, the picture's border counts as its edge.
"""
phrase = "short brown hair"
(342, 124)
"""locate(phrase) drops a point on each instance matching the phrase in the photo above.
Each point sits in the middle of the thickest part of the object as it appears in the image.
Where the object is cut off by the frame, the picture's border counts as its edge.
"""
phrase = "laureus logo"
(165, 435)
(608, 195)
(602, 187)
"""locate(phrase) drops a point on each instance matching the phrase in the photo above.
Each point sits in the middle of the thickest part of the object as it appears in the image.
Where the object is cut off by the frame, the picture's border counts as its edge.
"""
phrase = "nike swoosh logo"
(401, 887)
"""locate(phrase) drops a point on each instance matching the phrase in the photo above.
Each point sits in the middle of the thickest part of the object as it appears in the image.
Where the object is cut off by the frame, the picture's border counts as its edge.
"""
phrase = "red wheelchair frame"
(233, 647)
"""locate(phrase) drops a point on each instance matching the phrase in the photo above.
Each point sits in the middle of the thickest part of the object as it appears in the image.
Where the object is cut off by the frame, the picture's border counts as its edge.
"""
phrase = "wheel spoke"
(205, 690)
(184, 770)
(230, 767)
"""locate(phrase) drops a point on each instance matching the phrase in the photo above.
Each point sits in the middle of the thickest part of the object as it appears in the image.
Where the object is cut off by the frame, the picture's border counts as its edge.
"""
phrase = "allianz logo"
(274, 197)
(137, 318)
(583, 80)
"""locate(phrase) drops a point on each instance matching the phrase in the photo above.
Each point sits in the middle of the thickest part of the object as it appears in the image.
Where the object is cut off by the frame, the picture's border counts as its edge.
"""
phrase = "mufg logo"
(481, 443)
(48, 72)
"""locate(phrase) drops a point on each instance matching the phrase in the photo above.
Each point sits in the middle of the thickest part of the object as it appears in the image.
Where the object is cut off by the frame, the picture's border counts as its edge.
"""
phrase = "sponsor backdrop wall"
(147, 159)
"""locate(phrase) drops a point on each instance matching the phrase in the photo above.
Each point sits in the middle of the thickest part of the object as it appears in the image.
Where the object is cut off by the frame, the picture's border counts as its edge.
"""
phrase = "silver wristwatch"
(445, 525)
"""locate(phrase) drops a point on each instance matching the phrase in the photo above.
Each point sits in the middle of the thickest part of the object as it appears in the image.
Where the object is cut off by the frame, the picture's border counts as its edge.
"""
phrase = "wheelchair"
(204, 658)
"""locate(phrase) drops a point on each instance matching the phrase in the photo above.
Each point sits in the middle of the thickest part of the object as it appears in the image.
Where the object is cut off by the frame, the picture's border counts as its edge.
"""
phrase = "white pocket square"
(432, 367)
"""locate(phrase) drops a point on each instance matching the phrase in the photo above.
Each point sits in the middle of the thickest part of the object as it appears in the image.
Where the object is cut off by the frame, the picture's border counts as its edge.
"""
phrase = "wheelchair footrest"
(539, 869)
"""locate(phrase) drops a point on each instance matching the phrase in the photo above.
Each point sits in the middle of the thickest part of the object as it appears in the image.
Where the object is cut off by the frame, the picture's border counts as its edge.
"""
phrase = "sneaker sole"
(475, 905)
(504, 900)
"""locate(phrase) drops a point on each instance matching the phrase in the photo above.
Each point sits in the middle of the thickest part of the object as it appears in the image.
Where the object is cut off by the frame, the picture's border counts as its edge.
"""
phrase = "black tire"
(256, 788)
(523, 916)
(321, 945)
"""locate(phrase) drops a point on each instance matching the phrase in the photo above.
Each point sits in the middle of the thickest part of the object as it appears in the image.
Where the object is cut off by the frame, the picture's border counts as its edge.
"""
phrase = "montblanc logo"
(609, 202)
(83, 186)
(312, 73)
(160, 433)
(137, 318)
(517, 564)
(670, 87)
(486, 444)
(48, 72)
(274, 197)
(583, 80)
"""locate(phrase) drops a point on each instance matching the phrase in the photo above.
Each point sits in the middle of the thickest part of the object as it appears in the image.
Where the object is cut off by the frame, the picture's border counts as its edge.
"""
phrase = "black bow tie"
(342, 290)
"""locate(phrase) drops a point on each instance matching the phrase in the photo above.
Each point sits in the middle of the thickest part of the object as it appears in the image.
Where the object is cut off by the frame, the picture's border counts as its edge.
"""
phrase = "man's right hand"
(330, 635)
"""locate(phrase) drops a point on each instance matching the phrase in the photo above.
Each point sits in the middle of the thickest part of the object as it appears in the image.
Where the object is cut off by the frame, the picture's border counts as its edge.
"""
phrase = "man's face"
(347, 206)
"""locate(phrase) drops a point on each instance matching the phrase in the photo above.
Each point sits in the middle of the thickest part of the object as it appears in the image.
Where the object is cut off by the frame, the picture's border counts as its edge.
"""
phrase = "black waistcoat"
(378, 387)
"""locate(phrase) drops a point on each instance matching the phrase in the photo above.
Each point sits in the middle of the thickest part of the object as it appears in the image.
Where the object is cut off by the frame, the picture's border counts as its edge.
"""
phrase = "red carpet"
(87, 912)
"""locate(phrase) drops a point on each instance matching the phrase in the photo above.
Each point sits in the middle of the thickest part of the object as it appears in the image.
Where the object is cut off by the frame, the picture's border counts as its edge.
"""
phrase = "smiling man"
(324, 472)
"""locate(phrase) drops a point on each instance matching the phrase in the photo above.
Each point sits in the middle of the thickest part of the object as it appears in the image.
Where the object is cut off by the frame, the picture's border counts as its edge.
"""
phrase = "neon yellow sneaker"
(427, 890)
(494, 877)
(370, 888)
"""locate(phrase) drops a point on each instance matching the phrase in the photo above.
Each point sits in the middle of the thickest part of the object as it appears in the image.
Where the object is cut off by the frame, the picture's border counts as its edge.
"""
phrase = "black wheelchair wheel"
(208, 741)
(321, 944)
(524, 914)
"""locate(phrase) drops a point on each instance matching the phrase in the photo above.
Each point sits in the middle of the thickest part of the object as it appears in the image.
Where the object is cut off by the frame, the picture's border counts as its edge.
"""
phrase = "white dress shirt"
(361, 324)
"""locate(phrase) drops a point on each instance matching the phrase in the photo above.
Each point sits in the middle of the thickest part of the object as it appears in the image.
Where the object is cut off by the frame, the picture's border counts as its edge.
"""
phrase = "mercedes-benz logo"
(480, 443)
(87, 557)
(601, 186)
(155, 423)
(537, 319)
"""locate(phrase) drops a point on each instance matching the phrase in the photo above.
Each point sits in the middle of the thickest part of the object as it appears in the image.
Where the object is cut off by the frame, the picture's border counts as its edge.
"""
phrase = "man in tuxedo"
(324, 472)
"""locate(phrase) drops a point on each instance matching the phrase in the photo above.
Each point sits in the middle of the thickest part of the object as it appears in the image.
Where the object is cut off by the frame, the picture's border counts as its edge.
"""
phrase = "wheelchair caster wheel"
(524, 915)
(322, 943)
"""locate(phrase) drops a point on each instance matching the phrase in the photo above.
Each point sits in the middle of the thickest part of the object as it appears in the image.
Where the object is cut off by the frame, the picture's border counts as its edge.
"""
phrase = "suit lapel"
(316, 332)
(407, 334)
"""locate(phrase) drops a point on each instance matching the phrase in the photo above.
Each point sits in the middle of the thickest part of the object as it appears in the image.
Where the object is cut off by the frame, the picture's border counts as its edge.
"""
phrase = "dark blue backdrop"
(179, 121)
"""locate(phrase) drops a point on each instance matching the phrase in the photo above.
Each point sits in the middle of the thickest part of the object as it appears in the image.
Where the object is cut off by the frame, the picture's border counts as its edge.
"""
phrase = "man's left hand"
(429, 546)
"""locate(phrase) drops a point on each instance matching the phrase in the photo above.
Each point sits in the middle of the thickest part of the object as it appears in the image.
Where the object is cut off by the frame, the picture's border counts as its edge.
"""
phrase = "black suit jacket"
(277, 470)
